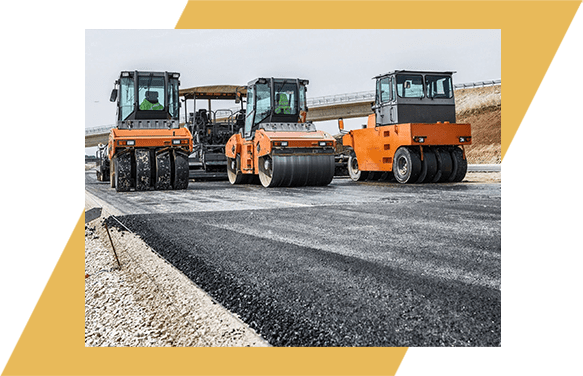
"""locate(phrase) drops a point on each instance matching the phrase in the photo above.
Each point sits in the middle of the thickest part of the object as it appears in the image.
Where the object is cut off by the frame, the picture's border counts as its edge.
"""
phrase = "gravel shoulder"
(148, 302)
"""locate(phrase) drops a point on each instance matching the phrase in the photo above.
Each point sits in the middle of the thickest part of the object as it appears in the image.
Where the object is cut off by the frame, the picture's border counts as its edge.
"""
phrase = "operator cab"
(275, 100)
(414, 97)
(147, 100)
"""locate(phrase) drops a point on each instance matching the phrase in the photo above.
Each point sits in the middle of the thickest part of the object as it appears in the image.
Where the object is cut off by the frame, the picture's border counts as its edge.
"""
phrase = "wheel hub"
(402, 166)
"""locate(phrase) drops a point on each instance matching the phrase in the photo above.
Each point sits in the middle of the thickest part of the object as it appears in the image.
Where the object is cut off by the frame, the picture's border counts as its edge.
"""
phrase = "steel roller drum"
(296, 170)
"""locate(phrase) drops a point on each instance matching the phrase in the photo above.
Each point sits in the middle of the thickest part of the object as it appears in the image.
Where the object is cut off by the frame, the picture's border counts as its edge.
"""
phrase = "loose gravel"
(147, 302)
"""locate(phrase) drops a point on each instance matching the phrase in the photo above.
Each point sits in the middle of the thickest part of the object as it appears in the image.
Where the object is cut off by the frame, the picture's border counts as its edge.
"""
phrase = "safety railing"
(368, 96)
(98, 130)
(478, 84)
(362, 96)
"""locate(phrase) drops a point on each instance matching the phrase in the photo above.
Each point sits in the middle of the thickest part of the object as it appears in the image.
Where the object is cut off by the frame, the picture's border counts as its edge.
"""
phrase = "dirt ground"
(482, 108)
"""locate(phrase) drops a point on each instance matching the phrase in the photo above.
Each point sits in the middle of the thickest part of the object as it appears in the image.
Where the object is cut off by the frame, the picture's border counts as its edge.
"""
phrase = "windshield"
(263, 104)
(285, 98)
(151, 93)
(438, 86)
(410, 86)
(249, 113)
(126, 97)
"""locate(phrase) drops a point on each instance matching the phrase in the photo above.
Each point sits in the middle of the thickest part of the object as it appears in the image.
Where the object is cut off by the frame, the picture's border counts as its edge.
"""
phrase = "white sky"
(335, 61)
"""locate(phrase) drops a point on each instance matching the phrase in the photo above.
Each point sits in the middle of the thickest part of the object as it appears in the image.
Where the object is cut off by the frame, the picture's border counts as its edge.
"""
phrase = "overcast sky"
(335, 61)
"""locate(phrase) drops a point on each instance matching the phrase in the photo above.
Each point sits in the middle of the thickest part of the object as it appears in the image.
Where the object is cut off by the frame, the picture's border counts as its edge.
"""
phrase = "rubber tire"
(460, 165)
(410, 165)
(163, 171)
(444, 165)
(143, 169)
(353, 171)
(123, 172)
(180, 173)
(428, 166)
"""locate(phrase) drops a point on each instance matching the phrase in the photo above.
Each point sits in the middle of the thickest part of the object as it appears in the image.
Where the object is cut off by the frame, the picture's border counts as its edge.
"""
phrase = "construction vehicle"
(148, 149)
(211, 129)
(277, 144)
(412, 134)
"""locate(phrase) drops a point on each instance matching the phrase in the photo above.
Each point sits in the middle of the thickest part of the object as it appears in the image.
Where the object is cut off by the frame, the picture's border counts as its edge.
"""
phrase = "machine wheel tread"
(123, 169)
(460, 165)
(406, 165)
(163, 171)
(428, 166)
(143, 169)
(180, 170)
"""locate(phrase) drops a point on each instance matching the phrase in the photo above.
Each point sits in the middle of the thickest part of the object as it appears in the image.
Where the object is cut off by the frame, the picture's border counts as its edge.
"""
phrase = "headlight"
(130, 142)
(420, 139)
(175, 142)
(322, 143)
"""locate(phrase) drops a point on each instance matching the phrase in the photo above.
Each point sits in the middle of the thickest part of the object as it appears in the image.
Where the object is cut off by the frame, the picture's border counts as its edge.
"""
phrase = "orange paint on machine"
(412, 132)
(148, 149)
(277, 146)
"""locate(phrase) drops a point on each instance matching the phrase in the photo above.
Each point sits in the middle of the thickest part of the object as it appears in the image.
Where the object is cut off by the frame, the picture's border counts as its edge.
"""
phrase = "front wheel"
(406, 165)
(355, 173)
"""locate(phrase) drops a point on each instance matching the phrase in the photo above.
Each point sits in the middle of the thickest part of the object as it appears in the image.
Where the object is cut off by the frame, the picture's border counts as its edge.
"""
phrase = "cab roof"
(413, 72)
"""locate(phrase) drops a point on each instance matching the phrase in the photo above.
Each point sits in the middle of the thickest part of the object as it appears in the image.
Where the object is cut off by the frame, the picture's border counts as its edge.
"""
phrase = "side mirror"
(341, 124)
(113, 95)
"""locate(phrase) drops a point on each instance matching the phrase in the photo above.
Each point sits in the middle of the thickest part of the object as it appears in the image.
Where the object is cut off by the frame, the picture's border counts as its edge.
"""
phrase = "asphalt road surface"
(350, 264)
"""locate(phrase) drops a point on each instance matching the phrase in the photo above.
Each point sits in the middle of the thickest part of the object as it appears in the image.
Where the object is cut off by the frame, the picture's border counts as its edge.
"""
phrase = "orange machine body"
(179, 138)
(375, 146)
(281, 143)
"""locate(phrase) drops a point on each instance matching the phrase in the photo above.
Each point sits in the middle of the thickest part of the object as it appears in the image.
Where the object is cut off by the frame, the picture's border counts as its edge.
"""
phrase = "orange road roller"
(277, 146)
(148, 149)
(412, 136)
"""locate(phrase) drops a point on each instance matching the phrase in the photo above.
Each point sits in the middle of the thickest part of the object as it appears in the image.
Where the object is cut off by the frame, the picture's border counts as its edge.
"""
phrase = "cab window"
(151, 92)
(410, 86)
(263, 102)
(438, 86)
(126, 97)
(385, 89)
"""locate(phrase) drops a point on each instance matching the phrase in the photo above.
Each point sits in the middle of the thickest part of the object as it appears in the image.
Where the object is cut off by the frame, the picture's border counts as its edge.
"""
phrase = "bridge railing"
(361, 96)
(368, 96)
(478, 84)
(99, 129)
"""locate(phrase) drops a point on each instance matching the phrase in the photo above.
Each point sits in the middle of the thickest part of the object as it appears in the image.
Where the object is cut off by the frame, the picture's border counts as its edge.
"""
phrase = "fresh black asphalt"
(395, 266)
